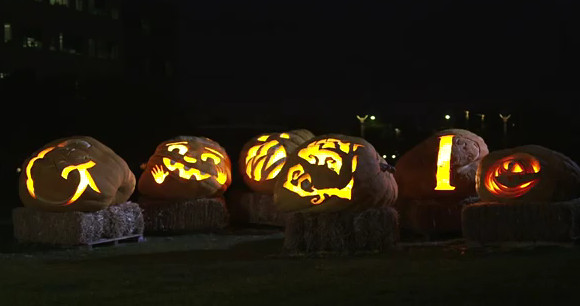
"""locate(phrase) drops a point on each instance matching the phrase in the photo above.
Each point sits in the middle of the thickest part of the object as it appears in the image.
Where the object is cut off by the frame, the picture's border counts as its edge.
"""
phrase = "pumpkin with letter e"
(527, 193)
(527, 173)
(337, 191)
(262, 158)
(435, 177)
(186, 167)
(75, 174)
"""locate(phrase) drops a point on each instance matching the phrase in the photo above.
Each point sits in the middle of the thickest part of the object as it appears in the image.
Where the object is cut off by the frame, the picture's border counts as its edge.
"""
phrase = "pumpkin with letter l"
(262, 158)
(75, 174)
(186, 167)
(333, 173)
(435, 178)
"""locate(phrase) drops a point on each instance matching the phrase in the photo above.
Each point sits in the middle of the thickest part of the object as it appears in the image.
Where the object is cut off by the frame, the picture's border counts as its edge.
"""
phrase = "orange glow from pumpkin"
(29, 180)
(296, 173)
(187, 172)
(85, 176)
(320, 153)
(159, 174)
(512, 176)
(259, 160)
(444, 163)
(183, 172)
(85, 179)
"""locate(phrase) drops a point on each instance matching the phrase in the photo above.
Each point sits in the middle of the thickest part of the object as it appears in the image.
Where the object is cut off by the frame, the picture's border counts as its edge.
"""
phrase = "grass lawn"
(166, 271)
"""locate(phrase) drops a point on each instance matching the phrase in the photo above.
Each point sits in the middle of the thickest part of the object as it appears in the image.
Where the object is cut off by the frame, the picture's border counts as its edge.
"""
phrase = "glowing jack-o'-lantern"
(443, 166)
(186, 167)
(262, 158)
(527, 173)
(512, 176)
(76, 173)
(335, 172)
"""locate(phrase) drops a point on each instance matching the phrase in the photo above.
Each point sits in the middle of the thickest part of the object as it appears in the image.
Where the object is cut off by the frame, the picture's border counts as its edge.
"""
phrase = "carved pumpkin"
(75, 174)
(527, 173)
(263, 157)
(442, 166)
(334, 172)
(186, 167)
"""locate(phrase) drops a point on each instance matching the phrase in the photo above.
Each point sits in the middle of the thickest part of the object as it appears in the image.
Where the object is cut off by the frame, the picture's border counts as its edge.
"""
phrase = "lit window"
(31, 42)
(59, 2)
(60, 41)
(7, 32)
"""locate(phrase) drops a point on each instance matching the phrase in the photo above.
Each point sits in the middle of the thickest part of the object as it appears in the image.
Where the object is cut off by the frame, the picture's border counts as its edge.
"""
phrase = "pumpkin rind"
(417, 168)
(261, 164)
(555, 178)
(53, 180)
(189, 167)
(361, 167)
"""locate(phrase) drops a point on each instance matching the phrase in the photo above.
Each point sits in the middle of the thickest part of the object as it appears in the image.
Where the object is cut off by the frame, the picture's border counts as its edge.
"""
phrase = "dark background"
(229, 70)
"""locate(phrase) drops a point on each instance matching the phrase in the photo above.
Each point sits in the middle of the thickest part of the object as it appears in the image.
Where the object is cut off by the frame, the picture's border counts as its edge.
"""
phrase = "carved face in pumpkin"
(186, 167)
(263, 157)
(77, 173)
(512, 176)
(330, 173)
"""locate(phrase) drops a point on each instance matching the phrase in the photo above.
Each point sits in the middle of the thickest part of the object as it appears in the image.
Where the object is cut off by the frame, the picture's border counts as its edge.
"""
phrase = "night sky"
(317, 64)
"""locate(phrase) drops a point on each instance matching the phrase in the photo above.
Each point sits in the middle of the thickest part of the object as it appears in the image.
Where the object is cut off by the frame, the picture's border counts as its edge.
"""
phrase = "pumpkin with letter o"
(334, 172)
(75, 174)
(527, 173)
(186, 167)
(262, 157)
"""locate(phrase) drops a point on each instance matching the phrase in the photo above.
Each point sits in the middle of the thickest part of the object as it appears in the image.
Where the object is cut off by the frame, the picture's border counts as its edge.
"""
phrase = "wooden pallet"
(114, 241)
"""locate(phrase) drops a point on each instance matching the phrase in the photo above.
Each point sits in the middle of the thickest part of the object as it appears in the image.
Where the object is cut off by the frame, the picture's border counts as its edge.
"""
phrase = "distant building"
(83, 46)
(77, 39)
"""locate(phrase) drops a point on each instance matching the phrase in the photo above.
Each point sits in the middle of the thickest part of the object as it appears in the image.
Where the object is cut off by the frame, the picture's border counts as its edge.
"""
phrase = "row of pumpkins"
(304, 172)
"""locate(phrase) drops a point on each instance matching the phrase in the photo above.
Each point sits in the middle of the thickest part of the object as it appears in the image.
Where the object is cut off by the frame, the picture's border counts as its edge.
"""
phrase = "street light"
(373, 117)
(447, 117)
(362, 124)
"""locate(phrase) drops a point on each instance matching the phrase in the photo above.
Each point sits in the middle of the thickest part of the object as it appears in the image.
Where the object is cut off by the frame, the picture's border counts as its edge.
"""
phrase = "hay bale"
(182, 216)
(257, 208)
(431, 217)
(123, 220)
(494, 222)
(373, 229)
(76, 228)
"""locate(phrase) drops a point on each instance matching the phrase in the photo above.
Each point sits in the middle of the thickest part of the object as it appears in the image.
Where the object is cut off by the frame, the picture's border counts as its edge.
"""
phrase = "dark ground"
(248, 268)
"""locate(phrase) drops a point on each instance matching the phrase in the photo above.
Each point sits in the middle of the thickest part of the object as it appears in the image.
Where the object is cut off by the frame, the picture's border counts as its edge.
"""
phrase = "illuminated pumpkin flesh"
(186, 167)
(322, 153)
(442, 166)
(334, 172)
(75, 174)
(263, 157)
(528, 173)
(444, 163)
(512, 176)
